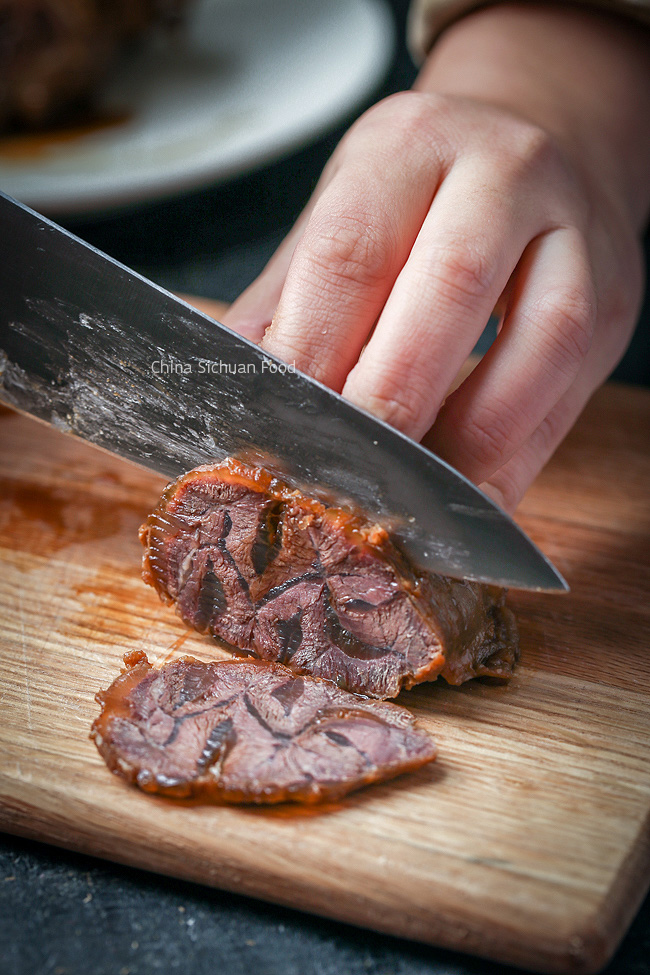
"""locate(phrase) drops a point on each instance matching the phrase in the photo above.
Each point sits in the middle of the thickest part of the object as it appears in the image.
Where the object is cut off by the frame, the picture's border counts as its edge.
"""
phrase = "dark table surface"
(66, 914)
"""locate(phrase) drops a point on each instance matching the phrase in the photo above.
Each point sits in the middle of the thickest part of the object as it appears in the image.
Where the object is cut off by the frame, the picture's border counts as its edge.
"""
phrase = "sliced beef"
(249, 731)
(284, 577)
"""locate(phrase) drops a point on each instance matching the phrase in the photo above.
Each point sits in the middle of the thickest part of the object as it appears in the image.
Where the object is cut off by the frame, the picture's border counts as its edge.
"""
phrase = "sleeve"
(428, 18)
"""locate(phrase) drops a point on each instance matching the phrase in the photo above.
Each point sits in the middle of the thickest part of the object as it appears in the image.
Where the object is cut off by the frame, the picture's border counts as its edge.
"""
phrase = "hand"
(486, 187)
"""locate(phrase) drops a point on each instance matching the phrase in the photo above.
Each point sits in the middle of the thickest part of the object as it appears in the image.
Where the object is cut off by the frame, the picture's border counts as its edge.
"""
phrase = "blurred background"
(210, 142)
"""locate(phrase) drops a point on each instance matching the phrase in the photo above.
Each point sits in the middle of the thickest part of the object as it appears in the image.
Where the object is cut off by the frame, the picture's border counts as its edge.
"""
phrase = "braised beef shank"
(287, 578)
(249, 731)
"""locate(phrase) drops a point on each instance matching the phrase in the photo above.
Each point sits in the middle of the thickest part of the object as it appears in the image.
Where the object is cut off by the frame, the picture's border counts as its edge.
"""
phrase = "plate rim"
(276, 145)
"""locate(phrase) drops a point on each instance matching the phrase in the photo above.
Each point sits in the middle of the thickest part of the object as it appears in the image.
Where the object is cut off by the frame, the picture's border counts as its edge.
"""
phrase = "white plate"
(248, 81)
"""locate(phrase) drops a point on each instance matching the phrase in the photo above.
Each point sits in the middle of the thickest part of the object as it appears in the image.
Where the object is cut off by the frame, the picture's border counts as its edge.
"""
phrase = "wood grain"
(526, 842)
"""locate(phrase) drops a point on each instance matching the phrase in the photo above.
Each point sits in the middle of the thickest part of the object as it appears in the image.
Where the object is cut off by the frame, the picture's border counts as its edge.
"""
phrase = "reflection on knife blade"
(79, 334)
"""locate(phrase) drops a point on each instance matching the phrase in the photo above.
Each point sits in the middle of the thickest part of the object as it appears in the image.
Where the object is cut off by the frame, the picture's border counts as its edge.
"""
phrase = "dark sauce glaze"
(34, 146)
(249, 732)
(318, 588)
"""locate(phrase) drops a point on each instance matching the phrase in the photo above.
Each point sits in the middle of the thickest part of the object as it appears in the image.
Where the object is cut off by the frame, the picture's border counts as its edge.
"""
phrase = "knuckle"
(462, 273)
(489, 438)
(399, 407)
(622, 294)
(311, 358)
(534, 149)
(355, 250)
(409, 119)
(419, 113)
(536, 158)
(568, 318)
(535, 145)
(406, 110)
(624, 305)
(507, 488)
(549, 433)
(620, 291)
(618, 329)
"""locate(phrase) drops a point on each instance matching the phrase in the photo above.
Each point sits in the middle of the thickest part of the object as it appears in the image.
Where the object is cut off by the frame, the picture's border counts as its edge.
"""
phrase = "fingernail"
(251, 328)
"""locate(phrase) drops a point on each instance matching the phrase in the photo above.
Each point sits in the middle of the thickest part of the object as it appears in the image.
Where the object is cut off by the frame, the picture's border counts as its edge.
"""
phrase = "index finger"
(356, 241)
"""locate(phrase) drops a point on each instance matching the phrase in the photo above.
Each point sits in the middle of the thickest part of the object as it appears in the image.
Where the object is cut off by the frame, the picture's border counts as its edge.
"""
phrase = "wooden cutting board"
(526, 842)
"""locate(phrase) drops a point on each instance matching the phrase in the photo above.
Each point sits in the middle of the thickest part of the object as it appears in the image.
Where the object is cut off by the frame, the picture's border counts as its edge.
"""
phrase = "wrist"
(581, 76)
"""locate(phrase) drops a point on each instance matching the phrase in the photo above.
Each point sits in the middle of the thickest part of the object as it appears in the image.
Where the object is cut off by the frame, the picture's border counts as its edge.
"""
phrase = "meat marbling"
(249, 731)
(288, 578)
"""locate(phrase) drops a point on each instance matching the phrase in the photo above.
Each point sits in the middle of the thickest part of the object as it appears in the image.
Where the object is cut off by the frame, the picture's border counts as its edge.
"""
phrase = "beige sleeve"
(428, 18)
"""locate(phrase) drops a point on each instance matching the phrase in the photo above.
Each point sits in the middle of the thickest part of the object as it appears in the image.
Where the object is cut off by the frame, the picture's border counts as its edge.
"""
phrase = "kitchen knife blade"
(100, 352)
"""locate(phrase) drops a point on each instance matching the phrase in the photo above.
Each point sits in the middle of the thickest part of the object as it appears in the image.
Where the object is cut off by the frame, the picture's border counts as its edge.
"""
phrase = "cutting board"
(526, 842)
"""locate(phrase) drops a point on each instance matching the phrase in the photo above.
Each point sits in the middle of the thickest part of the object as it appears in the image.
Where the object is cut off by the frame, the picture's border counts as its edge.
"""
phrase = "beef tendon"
(321, 589)
(249, 731)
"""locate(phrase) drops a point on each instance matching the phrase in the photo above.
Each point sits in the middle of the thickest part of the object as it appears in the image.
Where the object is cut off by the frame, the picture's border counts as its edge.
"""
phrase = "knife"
(100, 352)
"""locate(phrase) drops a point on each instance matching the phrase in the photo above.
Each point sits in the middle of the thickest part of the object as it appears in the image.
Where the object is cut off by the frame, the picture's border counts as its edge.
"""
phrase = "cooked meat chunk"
(249, 731)
(54, 52)
(284, 577)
